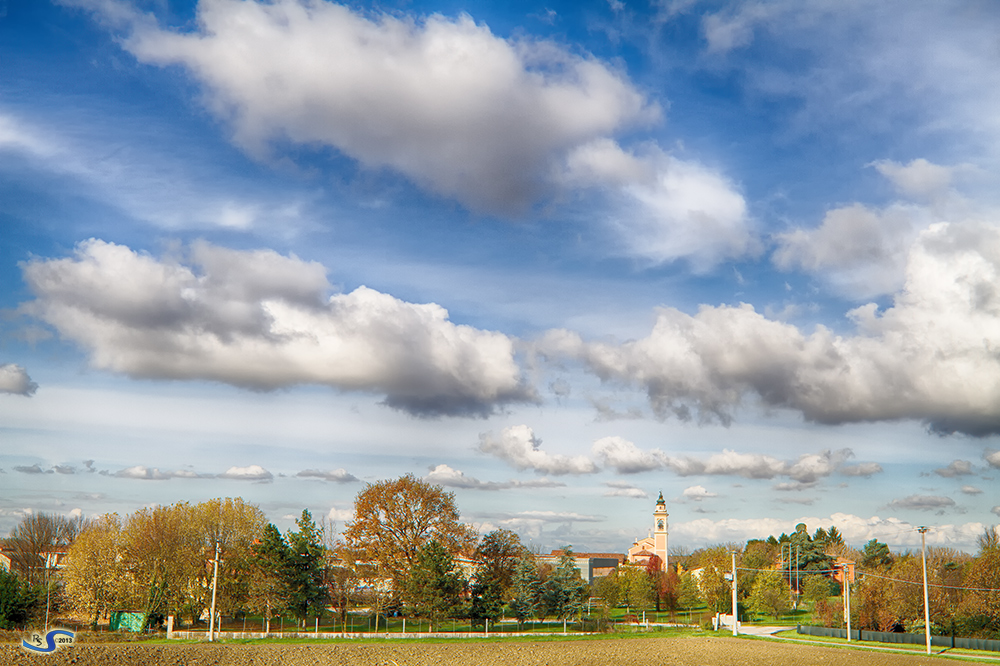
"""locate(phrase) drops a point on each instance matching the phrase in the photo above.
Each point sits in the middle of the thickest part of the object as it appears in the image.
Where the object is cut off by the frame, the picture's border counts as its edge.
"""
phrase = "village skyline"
(554, 257)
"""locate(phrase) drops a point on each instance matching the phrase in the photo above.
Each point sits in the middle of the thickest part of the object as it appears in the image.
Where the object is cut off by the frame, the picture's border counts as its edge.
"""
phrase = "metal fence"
(894, 637)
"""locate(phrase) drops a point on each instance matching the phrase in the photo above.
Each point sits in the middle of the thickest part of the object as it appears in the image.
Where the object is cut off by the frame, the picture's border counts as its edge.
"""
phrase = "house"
(591, 565)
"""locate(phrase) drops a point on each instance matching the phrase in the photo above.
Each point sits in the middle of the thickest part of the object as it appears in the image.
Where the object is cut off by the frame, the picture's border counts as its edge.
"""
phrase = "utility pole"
(215, 581)
(736, 631)
(927, 609)
(847, 598)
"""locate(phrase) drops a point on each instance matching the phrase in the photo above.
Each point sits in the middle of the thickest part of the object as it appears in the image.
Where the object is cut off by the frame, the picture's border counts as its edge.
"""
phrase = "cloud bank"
(498, 124)
(261, 320)
(931, 356)
(627, 458)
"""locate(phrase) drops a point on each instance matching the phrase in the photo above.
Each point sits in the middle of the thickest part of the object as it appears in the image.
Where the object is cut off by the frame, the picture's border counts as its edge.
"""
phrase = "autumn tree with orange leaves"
(394, 519)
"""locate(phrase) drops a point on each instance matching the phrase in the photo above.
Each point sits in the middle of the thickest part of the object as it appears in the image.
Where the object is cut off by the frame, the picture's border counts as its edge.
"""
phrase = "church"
(657, 541)
(596, 565)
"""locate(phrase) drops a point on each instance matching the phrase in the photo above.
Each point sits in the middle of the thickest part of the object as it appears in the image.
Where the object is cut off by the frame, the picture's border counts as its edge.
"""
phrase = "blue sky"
(554, 257)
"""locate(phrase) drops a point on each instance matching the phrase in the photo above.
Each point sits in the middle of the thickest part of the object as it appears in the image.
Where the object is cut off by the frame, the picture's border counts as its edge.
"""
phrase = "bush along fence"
(894, 637)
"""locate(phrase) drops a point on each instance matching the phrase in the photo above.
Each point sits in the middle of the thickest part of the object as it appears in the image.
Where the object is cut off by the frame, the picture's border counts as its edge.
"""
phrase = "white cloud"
(995, 510)
(142, 472)
(15, 380)
(919, 179)
(922, 503)
(992, 458)
(955, 468)
(861, 469)
(457, 109)
(861, 251)
(667, 208)
(518, 446)
(813, 466)
(627, 458)
(971, 490)
(249, 473)
(698, 493)
(340, 475)
(856, 531)
(623, 489)
(449, 477)
(930, 356)
(340, 515)
(29, 469)
(261, 320)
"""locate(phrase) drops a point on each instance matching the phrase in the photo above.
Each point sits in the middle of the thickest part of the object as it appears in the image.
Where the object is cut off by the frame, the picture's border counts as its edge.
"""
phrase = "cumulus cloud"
(261, 320)
(955, 469)
(518, 446)
(697, 493)
(627, 458)
(930, 356)
(861, 251)
(250, 473)
(444, 475)
(992, 458)
(340, 515)
(457, 109)
(971, 490)
(856, 530)
(340, 475)
(923, 503)
(145, 473)
(995, 510)
(919, 179)
(15, 380)
(861, 469)
(496, 124)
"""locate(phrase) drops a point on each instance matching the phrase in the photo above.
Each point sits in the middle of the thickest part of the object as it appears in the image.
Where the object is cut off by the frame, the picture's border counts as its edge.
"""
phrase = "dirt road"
(657, 651)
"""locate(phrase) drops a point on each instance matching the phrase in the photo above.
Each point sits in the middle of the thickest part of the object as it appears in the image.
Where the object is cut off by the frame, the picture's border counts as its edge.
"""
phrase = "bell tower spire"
(660, 531)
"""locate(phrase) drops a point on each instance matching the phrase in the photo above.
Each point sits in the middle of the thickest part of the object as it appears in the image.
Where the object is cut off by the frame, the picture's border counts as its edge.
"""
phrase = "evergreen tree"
(269, 585)
(433, 586)
(307, 595)
(875, 555)
(525, 591)
(17, 600)
(565, 592)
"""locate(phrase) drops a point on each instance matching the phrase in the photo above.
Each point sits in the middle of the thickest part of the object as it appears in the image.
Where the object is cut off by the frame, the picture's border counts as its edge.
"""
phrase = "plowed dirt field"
(651, 651)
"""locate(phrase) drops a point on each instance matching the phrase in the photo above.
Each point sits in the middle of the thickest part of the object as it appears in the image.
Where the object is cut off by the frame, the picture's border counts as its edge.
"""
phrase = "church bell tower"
(660, 531)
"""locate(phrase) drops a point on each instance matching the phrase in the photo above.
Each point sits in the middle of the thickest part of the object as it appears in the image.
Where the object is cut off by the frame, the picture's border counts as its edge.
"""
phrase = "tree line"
(406, 552)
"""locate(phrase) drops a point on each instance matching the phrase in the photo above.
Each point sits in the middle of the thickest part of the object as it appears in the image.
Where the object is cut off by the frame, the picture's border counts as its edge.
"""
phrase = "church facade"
(658, 541)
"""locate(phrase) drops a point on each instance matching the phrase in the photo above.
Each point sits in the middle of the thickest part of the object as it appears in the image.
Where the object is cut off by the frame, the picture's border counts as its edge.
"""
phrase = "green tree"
(487, 602)
(565, 592)
(875, 555)
(269, 589)
(608, 589)
(770, 594)
(689, 593)
(526, 590)
(17, 600)
(434, 587)
(815, 588)
(498, 555)
(307, 596)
